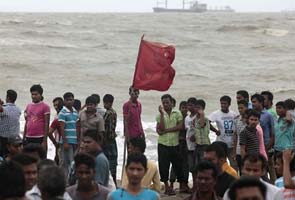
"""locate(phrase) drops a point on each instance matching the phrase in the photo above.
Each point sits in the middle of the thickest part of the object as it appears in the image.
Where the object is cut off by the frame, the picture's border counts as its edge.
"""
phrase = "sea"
(85, 53)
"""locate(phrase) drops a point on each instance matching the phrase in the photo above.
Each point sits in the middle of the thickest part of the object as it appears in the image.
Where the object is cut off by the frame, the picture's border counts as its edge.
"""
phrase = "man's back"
(102, 169)
(224, 181)
(9, 120)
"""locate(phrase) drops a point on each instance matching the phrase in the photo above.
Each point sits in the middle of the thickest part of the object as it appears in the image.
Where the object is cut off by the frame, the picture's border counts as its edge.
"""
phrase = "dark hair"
(259, 98)
(182, 103)
(68, 95)
(268, 94)
(60, 103)
(139, 143)
(225, 98)
(220, 153)
(244, 94)
(35, 147)
(253, 113)
(11, 95)
(192, 100)
(12, 180)
(165, 96)
(91, 99)
(253, 158)
(201, 102)
(243, 102)
(77, 104)
(37, 88)
(246, 182)
(279, 155)
(290, 104)
(205, 165)
(223, 145)
(108, 98)
(24, 159)
(133, 88)
(93, 135)
(173, 101)
(137, 157)
(97, 97)
(43, 164)
(86, 159)
(52, 182)
(281, 103)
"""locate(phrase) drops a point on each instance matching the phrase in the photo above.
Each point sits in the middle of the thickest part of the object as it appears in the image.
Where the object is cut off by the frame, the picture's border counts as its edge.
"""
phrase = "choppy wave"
(231, 28)
(274, 32)
(44, 23)
(11, 21)
(284, 90)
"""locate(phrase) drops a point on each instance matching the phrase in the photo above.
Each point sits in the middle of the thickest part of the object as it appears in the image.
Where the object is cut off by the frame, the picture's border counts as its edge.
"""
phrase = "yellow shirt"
(228, 169)
(150, 180)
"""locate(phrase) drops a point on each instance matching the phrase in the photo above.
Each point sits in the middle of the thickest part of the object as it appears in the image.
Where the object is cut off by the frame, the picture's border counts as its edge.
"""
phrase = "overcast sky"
(135, 5)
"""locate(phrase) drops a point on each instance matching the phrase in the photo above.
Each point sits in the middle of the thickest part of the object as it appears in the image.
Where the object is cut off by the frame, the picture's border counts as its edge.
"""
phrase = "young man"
(217, 156)
(267, 103)
(290, 106)
(37, 116)
(169, 123)
(90, 119)
(29, 166)
(67, 119)
(109, 139)
(99, 109)
(243, 95)
(151, 178)
(132, 116)
(92, 145)
(279, 166)
(284, 129)
(9, 120)
(136, 168)
(14, 146)
(206, 178)
(248, 138)
(224, 119)
(86, 188)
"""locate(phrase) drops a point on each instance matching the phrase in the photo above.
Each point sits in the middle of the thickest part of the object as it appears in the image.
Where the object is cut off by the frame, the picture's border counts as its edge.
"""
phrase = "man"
(86, 188)
(151, 178)
(29, 166)
(169, 123)
(132, 116)
(268, 102)
(90, 119)
(37, 116)
(67, 119)
(135, 169)
(92, 145)
(254, 165)
(35, 151)
(224, 119)
(247, 188)
(109, 139)
(99, 109)
(206, 178)
(217, 156)
(14, 146)
(267, 125)
(9, 120)
(243, 95)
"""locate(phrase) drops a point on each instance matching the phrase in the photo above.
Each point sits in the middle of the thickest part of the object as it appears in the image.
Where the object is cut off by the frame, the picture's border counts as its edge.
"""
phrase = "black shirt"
(224, 181)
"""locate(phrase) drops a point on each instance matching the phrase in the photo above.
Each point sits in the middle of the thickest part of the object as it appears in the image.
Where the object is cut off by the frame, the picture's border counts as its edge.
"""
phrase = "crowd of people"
(252, 157)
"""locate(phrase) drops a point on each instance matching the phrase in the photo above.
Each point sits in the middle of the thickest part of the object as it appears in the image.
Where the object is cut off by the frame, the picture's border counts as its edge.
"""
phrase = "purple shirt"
(133, 113)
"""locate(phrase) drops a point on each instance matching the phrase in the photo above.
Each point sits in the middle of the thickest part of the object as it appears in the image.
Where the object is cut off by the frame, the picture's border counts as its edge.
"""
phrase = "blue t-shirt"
(122, 194)
(70, 119)
(102, 169)
(267, 125)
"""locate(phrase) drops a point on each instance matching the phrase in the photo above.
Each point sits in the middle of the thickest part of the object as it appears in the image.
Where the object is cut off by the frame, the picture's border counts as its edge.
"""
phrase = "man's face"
(167, 104)
(249, 193)
(253, 121)
(205, 181)
(279, 167)
(242, 109)
(211, 156)
(224, 106)
(252, 169)
(239, 97)
(134, 93)
(30, 172)
(135, 172)
(36, 96)
(69, 102)
(56, 105)
(91, 107)
(256, 104)
(183, 110)
(281, 111)
(14, 148)
(85, 175)
(191, 107)
(90, 146)
(266, 101)
(107, 105)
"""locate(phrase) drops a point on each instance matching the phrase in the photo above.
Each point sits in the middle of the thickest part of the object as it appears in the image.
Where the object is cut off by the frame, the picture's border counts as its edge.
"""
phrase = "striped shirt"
(9, 120)
(249, 138)
(70, 119)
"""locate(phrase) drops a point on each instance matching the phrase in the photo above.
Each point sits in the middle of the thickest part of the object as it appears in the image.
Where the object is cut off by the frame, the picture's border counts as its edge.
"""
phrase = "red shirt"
(133, 113)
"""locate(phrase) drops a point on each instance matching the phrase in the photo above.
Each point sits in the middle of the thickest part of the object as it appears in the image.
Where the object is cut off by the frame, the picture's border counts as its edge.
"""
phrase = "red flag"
(153, 70)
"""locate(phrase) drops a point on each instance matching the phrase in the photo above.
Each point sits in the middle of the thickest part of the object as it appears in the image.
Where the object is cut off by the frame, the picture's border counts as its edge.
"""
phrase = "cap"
(15, 140)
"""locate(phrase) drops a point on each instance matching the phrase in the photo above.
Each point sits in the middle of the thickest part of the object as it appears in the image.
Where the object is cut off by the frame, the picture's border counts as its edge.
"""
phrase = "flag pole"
(139, 51)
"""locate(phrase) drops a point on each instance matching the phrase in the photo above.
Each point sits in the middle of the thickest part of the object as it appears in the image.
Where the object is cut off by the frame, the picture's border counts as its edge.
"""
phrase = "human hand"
(161, 109)
(288, 155)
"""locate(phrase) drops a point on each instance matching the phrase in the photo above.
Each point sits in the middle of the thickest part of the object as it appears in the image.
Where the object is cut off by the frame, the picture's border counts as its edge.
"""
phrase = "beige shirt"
(91, 122)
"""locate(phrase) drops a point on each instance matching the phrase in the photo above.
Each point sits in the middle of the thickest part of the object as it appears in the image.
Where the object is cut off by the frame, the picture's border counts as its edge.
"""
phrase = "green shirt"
(273, 113)
(170, 138)
(202, 134)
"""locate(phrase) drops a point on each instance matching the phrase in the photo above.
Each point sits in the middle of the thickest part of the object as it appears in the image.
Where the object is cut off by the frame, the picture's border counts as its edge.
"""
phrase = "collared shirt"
(273, 113)
(35, 118)
(170, 138)
(70, 119)
(110, 123)
(284, 134)
(9, 120)
(133, 113)
(240, 126)
(101, 194)
(202, 133)
(267, 125)
(91, 122)
(228, 169)
(35, 194)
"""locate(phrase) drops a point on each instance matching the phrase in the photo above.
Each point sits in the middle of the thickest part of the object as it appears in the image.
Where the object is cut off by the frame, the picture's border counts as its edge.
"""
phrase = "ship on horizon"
(194, 7)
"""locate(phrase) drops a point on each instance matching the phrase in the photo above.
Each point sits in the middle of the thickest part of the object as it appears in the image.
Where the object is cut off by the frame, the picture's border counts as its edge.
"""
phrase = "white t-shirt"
(189, 124)
(225, 124)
